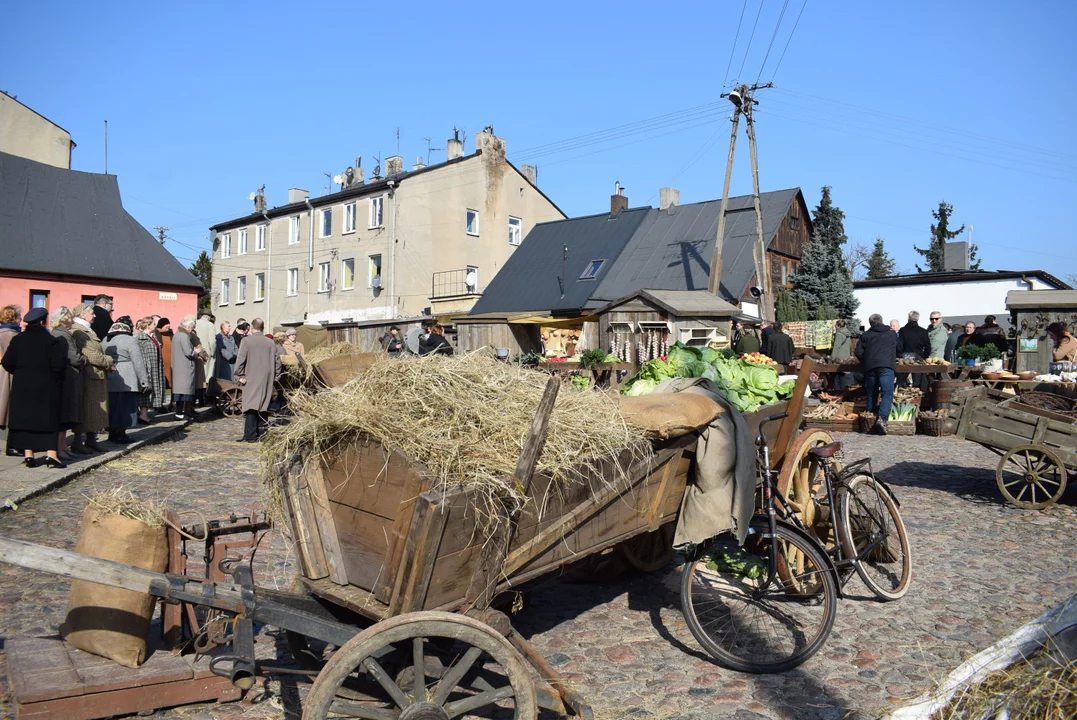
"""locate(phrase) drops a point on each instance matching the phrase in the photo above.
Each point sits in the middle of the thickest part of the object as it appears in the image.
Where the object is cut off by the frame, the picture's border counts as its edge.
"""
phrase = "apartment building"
(395, 245)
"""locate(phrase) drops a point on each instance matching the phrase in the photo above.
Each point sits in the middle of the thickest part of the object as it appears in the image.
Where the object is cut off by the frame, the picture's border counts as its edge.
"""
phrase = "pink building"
(65, 238)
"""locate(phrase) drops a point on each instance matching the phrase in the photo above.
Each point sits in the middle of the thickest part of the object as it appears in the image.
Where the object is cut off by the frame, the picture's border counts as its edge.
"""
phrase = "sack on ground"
(106, 621)
(669, 415)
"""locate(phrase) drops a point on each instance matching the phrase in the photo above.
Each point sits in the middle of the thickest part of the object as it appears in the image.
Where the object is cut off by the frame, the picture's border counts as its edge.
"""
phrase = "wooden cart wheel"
(800, 475)
(1031, 477)
(464, 686)
(230, 402)
(649, 552)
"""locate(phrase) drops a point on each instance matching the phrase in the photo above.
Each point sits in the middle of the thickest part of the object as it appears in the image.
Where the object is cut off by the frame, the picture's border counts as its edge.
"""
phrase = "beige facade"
(432, 237)
(26, 134)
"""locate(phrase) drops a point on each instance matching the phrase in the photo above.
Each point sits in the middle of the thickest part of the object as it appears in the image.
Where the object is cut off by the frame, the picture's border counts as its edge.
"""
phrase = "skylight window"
(592, 269)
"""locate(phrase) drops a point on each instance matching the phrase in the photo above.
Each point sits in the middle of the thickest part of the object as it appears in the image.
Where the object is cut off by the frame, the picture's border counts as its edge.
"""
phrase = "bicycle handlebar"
(761, 438)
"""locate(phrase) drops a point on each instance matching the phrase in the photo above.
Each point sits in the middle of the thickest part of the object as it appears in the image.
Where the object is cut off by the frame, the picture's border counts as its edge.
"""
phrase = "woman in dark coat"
(71, 393)
(36, 361)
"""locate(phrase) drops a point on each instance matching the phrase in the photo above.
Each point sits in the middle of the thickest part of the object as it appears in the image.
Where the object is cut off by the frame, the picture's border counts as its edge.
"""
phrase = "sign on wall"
(166, 296)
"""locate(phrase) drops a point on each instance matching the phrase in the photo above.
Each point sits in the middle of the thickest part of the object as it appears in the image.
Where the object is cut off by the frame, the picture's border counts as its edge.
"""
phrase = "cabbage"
(680, 355)
(640, 386)
(710, 355)
(786, 388)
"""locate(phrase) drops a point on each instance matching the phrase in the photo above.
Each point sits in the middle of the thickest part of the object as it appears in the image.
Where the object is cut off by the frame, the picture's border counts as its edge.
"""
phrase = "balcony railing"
(451, 283)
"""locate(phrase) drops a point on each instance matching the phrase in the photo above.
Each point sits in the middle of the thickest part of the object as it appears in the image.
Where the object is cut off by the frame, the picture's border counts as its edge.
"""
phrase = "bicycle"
(769, 605)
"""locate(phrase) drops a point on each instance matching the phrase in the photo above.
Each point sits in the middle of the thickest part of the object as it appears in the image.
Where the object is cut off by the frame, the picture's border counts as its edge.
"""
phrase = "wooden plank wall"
(517, 338)
(368, 338)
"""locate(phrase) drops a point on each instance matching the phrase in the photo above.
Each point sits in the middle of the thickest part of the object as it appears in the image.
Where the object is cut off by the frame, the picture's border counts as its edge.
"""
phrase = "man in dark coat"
(434, 343)
(257, 367)
(914, 340)
(102, 316)
(765, 331)
(242, 328)
(36, 361)
(779, 346)
(747, 342)
(877, 352)
(991, 333)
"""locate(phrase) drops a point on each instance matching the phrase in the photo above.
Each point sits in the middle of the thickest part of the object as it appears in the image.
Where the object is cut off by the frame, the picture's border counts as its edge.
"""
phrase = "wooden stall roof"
(683, 303)
(1041, 299)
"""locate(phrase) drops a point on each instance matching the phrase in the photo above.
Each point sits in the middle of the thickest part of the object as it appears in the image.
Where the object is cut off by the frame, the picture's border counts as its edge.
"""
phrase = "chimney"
(531, 173)
(956, 256)
(489, 144)
(618, 200)
(296, 195)
(358, 174)
(419, 165)
(667, 197)
(393, 165)
(454, 148)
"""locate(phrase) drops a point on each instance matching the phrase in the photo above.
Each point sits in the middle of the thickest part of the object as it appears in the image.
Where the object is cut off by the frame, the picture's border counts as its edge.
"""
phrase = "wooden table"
(901, 368)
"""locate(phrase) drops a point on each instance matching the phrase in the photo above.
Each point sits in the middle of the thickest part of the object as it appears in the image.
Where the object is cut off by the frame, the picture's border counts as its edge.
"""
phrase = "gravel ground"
(981, 569)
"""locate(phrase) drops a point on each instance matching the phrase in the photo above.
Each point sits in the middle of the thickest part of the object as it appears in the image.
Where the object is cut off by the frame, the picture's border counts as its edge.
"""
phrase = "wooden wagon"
(1036, 446)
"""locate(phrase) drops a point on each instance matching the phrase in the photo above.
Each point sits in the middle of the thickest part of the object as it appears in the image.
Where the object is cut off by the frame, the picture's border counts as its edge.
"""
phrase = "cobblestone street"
(981, 569)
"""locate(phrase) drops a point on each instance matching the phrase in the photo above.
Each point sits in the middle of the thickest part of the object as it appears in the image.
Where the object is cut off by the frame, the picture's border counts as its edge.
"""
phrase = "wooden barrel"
(942, 391)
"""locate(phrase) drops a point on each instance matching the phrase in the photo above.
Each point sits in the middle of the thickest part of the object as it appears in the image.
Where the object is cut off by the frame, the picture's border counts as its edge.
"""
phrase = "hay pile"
(121, 500)
(465, 418)
(324, 352)
(1044, 687)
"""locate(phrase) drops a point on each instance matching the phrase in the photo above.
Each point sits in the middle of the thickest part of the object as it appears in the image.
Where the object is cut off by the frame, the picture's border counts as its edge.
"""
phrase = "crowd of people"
(71, 375)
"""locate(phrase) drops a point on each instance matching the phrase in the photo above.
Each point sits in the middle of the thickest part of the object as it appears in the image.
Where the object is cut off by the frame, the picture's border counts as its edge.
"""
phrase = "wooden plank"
(307, 538)
(452, 579)
(324, 523)
(966, 419)
(172, 614)
(791, 425)
(39, 669)
(413, 487)
(364, 545)
(1021, 431)
(100, 674)
(348, 596)
(366, 477)
(994, 438)
(424, 558)
(74, 566)
(664, 490)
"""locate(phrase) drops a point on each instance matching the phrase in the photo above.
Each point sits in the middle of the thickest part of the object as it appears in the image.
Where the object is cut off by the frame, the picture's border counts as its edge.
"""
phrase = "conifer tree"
(935, 253)
(202, 268)
(827, 221)
(823, 282)
(880, 264)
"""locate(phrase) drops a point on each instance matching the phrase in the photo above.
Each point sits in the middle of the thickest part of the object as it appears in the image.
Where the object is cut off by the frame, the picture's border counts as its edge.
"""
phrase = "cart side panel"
(1005, 428)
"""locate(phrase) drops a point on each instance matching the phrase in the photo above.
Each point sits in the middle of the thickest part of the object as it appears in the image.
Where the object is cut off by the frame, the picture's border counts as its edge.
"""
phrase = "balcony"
(455, 284)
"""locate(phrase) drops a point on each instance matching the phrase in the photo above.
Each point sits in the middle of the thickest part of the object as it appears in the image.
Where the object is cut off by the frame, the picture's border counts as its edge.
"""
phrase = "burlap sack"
(106, 621)
(669, 415)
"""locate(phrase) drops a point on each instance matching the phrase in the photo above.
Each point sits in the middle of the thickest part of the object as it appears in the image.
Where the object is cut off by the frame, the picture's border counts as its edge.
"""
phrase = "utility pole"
(743, 102)
(161, 233)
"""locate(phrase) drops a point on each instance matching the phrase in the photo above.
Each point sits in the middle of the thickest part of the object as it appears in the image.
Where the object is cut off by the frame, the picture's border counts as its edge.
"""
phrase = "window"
(293, 230)
(259, 287)
(347, 274)
(471, 278)
(224, 293)
(515, 230)
(349, 218)
(327, 222)
(40, 299)
(241, 289)
(789, 269)
(241, 246)
(260, 238)
(323, 277)
(794, 222)
(226, 246)
(472, 222)
(373, 271)
(293, 282)
(592, 269)
(376, 217)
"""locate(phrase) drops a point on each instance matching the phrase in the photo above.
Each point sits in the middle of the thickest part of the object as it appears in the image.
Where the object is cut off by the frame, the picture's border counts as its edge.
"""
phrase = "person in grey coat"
(204, 329)
(127, 381)
(840, 348)
(224, 353)
(257, 367)
(184, 354)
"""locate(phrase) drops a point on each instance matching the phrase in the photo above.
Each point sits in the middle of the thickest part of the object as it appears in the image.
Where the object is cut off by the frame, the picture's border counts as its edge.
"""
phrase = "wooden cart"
(1036, 446)
(396, 600)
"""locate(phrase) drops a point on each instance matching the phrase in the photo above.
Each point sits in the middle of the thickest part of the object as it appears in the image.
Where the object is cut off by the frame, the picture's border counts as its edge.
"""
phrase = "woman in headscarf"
(36, 362)
(126, 383)
(151, 355)
(10, 326)
(71, 392)
(94, 380)
(185, 353)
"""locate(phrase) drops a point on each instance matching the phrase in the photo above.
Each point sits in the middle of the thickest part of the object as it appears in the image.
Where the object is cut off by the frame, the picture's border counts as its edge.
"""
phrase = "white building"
(960, 295)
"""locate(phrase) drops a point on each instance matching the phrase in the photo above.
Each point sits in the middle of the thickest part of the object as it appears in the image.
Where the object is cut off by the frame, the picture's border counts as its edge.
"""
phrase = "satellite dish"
(252, 196)
(375, 282)
(411, 340)
(338, 179)
(471, 278)
(350, 173)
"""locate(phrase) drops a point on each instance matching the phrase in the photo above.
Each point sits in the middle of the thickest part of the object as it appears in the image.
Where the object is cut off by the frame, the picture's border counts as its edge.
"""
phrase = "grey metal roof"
(530, 280)
(1045, 299)
(684, 303)
(59, 221)
(672, 249)
(961, 276)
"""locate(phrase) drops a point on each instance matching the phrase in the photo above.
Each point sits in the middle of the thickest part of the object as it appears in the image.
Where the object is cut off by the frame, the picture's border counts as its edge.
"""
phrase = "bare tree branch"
(855, 259)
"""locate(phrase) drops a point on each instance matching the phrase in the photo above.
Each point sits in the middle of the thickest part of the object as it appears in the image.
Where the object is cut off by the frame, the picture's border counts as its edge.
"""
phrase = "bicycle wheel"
(874, 537)
(747, 623)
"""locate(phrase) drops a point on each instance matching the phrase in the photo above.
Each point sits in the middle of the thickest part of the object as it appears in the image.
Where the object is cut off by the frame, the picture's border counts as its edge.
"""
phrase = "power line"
(750, 37)
(773, 37)
(788, 40)
(733, 50)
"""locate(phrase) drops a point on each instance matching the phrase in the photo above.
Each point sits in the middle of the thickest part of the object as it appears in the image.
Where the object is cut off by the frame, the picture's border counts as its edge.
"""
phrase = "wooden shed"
(1031, 311)
(643, 325)
(368, 334)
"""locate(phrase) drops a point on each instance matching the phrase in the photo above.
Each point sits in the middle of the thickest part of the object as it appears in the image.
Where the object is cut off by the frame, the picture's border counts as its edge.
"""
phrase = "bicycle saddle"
(825, 451)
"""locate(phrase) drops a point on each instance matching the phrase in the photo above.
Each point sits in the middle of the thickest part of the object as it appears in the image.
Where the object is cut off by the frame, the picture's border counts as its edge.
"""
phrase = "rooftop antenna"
(430, 149)
(329, 176)
(106, 147)
(377, 168)
(398, 141)
(161, 233)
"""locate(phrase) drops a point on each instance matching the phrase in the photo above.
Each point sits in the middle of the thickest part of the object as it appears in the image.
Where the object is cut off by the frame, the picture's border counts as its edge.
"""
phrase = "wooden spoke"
(458, 708)
(1035, 471)
(373, 667)
(419, 681)
(455, 675)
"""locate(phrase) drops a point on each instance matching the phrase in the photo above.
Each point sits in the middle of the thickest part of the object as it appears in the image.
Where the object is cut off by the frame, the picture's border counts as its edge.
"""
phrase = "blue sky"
(895, 105)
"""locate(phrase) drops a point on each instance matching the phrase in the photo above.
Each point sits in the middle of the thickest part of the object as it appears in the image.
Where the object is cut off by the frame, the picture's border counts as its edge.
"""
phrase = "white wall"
(954, 299)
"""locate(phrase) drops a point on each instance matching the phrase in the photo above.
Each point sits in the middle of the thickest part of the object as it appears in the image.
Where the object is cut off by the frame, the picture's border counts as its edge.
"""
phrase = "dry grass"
(121, 500)
(465, 418)
(1041, 687)
(332, 350)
